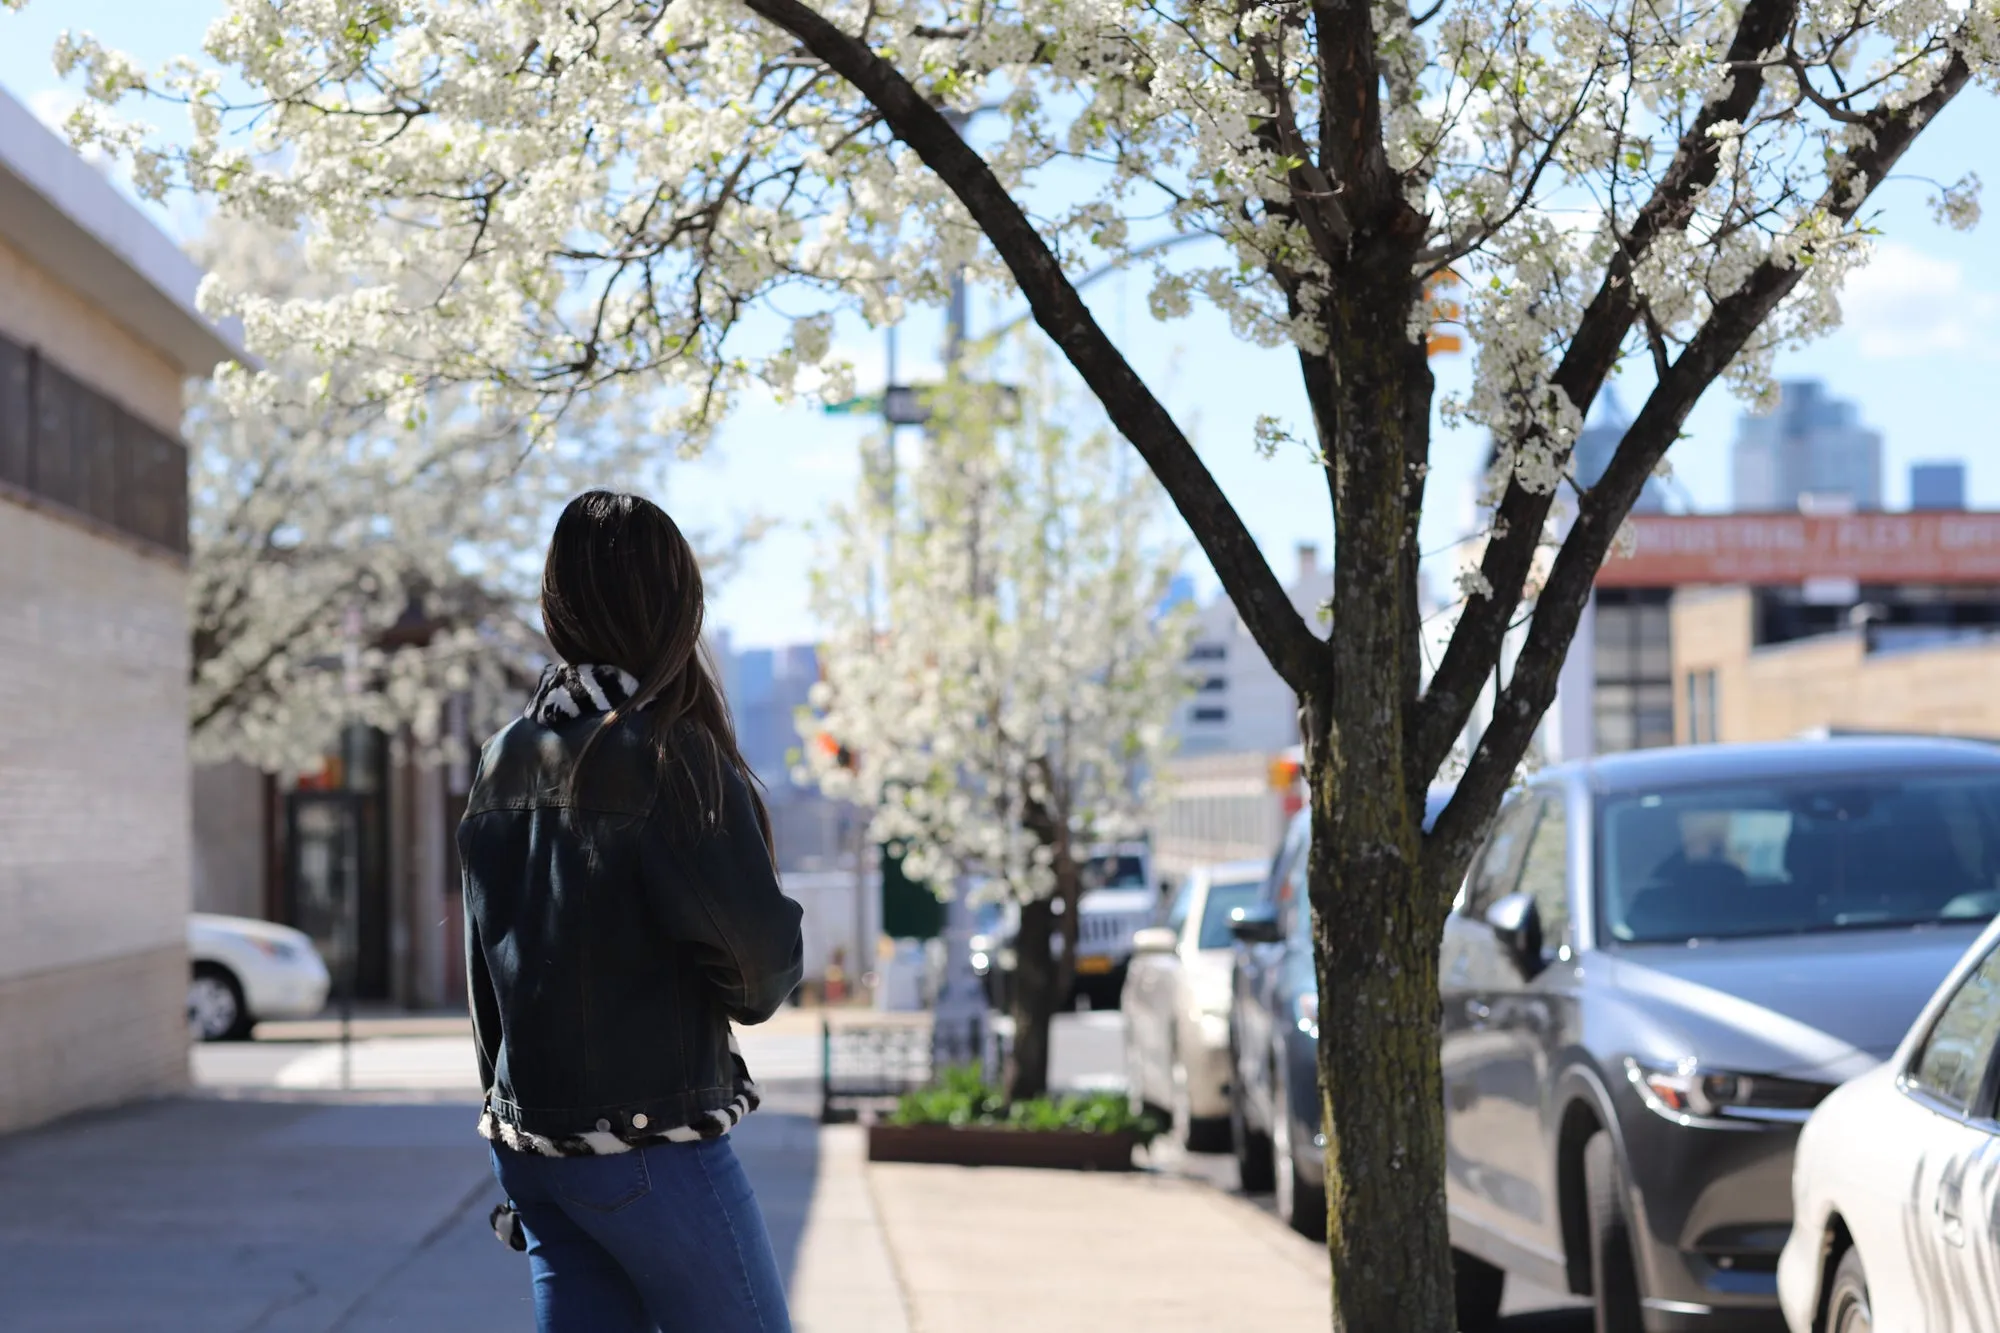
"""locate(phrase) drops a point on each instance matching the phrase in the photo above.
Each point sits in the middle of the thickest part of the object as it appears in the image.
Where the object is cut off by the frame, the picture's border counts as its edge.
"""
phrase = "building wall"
(230, 848)
(38, 310)
(1239, 703)
(1831, 681)
(94, 819)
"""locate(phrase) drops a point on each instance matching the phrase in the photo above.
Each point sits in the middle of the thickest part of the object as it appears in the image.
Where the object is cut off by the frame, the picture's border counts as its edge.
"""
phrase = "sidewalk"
(204, 1215)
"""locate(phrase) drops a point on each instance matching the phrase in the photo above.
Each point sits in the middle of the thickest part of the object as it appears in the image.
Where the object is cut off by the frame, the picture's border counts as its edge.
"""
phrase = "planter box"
(982, 1145)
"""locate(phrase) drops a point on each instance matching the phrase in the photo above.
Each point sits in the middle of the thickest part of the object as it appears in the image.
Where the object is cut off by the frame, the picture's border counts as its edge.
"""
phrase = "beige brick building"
(1847, 680)
(98, 336)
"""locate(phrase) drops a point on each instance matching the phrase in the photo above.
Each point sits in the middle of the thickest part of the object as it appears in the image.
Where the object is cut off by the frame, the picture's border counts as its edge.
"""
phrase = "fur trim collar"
(601, 1142)
(568, 692)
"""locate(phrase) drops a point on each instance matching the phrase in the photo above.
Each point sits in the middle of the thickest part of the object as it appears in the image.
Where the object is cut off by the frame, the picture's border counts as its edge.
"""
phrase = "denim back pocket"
(604, 1183)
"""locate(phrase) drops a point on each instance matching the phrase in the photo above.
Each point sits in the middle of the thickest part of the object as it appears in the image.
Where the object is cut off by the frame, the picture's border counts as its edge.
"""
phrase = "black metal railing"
(866, 1065)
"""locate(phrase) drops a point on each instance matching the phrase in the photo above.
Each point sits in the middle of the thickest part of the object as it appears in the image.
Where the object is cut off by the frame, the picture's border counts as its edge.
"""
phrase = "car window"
(1222, 900)
(1177, 910)
(1545, 870)
(1852, 852)
(1952, 1061)
(1497, 868)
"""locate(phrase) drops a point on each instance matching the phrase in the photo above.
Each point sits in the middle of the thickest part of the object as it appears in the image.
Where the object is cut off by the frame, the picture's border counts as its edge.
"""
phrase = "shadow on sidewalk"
(301, 1215)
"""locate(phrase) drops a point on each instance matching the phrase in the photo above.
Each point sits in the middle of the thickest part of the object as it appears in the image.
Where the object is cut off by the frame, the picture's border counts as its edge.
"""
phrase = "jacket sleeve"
(719, 891)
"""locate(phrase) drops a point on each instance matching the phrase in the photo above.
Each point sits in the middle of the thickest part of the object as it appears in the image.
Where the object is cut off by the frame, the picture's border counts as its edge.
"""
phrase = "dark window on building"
(1209, 652)
(1213, 685)
(1702, 723)
(1211, 714)
(68, 445)
(1634, 685)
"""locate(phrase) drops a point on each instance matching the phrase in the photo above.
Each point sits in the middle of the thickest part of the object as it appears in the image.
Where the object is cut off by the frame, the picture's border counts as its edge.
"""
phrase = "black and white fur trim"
(598, 1143)
(568, 692)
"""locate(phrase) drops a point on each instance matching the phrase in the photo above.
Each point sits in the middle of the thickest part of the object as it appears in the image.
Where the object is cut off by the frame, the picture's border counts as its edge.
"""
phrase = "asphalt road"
(1087, 1051)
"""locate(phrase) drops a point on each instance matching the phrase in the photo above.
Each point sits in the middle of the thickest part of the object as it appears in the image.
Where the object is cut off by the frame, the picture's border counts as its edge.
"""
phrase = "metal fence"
(868, 1066)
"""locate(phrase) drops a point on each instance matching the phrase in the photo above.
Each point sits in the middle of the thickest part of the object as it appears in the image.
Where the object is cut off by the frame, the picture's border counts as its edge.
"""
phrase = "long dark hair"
(622, 588)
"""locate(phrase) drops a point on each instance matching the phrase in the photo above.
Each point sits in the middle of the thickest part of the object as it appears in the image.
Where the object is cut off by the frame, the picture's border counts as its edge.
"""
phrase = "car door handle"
(1478, 1011)
(1949, 1220)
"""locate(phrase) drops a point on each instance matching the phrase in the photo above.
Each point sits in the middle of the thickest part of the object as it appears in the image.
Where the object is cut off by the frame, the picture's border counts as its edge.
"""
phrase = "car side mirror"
(1517, 923)
(1258, 924)
(1155, 939)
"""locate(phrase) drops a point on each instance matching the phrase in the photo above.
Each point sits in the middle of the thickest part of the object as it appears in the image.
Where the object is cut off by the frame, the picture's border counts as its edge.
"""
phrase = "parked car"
(1176, 1004)
(1896, 1184)
(1119, 898)
(1273, 1107)
(1660, 964)
(242, 971)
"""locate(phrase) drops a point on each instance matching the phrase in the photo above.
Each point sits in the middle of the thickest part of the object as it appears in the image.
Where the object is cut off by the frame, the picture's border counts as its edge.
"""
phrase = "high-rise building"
(1813, 447)
(1597, 443)
(1937, 486)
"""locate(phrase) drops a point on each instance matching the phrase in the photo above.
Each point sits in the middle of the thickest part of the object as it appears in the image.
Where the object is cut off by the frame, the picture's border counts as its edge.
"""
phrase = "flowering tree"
(998, 680)
(1671, 188)
(348, 565)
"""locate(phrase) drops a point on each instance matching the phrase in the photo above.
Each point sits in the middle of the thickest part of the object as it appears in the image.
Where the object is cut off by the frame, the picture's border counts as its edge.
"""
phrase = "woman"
(621, 910)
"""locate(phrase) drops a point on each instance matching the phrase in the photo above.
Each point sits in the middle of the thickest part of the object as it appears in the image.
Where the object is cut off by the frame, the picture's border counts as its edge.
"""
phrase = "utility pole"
(961, 1001)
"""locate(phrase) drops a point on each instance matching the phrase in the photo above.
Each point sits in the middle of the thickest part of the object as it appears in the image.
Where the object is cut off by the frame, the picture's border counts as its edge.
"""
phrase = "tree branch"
(1475, 643)
(1735, 320)
(1259, 598)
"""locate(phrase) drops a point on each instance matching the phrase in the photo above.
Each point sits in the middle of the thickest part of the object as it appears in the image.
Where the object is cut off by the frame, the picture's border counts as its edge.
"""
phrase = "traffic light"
(1442, 311)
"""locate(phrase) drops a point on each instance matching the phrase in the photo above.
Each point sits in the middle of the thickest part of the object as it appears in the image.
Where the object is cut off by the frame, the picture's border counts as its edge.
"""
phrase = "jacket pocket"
(603, 1184)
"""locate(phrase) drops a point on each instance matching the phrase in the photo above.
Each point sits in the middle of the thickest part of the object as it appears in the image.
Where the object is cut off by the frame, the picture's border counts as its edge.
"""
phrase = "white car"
(243, 970)
(1176, 1003)
(1896, 1182)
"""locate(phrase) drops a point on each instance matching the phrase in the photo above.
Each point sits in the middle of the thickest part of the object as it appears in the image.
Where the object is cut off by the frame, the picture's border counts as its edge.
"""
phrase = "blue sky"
(1920, 354)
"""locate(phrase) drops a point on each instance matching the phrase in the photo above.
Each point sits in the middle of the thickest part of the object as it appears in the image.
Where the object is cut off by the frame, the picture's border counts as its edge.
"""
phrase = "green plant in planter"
(962, 1097)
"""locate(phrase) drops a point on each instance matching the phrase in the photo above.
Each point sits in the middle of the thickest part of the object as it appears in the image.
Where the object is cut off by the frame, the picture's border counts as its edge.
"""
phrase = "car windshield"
(1848, 853)
(1114, 872)
(1224, 898)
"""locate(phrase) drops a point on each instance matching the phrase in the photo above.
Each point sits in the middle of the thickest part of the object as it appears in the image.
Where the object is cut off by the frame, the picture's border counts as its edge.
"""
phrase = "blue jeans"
(663, 1238)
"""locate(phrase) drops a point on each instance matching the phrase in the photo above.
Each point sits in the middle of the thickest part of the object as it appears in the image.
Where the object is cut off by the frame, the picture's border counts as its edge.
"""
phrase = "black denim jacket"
(610, 941)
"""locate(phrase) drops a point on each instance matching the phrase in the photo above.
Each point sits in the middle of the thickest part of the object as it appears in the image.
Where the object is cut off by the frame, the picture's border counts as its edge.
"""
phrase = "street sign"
(910, 404)
(904, 405)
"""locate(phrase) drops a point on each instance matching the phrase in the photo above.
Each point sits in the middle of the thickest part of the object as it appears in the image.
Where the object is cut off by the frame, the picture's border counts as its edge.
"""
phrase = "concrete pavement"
(277, 1203)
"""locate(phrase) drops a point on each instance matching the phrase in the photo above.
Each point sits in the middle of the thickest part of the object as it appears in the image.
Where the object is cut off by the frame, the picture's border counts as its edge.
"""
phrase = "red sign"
(1930, 547)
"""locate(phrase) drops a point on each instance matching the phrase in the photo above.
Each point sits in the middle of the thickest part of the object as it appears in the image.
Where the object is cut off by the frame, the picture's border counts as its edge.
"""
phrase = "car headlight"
(980, 962)
(1686, 1090)
(1305, 1012)
(282, 950)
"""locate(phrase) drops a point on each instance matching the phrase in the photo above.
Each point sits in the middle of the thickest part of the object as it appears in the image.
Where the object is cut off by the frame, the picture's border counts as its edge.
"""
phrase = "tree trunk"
(1036, 975)
(1377, 923)
(1040, 991)
(1381, 1088)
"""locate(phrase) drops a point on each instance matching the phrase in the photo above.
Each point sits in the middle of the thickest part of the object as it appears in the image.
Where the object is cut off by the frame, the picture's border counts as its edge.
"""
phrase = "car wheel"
(215, 1008)
(1847, 1308)
(1301, 1206)
(1614, 1278)
(1252, 1150)
(1477, 1287)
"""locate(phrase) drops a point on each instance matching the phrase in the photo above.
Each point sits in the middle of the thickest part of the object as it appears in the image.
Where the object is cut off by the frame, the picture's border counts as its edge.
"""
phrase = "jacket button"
(604, 1126)
(639, 1122)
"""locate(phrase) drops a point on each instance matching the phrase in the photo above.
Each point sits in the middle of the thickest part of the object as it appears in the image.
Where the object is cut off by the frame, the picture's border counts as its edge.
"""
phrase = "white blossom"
(350, 566)
(996, 663)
